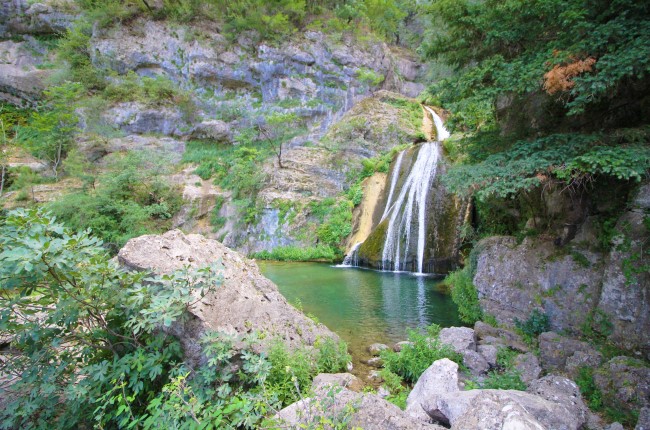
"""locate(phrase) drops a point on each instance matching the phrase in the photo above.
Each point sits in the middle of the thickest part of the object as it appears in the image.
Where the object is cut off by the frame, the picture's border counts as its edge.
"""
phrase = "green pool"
(363, 306)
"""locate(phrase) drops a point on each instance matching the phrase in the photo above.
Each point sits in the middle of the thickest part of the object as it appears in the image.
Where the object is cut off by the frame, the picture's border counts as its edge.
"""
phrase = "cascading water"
(412, 198)
(406, 212)
(441, 132)
(352, 259)
(393, 183)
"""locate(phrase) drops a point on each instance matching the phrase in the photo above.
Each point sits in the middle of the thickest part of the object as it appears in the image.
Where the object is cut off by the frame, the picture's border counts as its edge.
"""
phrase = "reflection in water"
(363, 306)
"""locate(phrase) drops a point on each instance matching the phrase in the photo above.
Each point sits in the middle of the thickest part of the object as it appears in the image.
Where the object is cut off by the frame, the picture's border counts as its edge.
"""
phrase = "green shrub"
(464, 294)
(415, 358)
(132, 198)
(537, 323)
(296, 253)
(97, 357)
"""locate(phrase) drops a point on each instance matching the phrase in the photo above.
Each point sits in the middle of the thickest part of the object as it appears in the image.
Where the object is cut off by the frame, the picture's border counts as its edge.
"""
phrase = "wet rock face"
(246, 300)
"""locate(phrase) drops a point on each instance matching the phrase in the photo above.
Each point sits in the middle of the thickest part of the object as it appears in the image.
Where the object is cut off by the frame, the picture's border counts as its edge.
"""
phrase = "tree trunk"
(2, 180)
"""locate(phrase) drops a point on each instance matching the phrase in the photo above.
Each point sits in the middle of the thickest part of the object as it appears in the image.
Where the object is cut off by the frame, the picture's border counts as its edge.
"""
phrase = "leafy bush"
(132, 198)
(464, 294)
(296, 253)
(49, 133)
(537, 323)
(95, 354)
(415, 358)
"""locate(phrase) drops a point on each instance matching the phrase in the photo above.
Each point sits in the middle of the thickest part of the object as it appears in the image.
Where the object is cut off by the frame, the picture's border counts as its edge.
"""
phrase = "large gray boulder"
(440, 378)
(245, 302)
(341, 406)
(551, 402)
(215, 130)
(459, 338)
(556, 350)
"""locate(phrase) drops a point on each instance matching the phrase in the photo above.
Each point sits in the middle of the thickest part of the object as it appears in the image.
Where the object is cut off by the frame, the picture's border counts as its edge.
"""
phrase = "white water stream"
(411, 201)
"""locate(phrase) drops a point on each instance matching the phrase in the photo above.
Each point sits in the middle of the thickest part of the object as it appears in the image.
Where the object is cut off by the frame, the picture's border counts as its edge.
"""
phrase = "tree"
(51, 129)
(278, 129)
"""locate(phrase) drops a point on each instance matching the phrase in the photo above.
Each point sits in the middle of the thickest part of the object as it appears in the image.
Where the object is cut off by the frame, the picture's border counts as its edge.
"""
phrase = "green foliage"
(506, 55)
(600, 402)
(395, 385)
(74, 50)
(337, 225)
(92, 352)
(132, 198)
(537, 323)
(156, 91)
(49, 132)
(464, 294)
(568, 157)
(295, 253)
(415, 358)
(369, 76)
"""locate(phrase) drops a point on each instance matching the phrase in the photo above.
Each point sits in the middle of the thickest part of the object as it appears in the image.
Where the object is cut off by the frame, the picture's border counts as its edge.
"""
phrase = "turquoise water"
(363, 306)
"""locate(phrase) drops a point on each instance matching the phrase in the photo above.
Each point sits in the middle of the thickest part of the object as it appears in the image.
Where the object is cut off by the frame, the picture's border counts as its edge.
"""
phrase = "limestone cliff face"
(575, 285)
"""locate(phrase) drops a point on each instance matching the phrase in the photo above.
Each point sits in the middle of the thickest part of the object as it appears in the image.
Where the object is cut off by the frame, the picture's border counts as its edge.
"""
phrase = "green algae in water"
(364, 306)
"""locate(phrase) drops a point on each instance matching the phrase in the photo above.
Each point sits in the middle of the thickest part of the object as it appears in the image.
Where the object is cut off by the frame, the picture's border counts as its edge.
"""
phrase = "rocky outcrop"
(245, 302)
(21, 80)
(557, 352)
(627, 380)
(463, 341)
(574, 285)
(41, 17)
(551, 402)
(335, 405)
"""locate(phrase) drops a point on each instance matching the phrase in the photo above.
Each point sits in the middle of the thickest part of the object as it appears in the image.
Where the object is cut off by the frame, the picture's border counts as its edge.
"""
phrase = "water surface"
(363, 306)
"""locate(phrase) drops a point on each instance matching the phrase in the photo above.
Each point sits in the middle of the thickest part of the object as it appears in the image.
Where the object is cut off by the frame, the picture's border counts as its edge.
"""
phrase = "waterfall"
(441, 131)
(412, 197)
(352, 259)
(393, 183)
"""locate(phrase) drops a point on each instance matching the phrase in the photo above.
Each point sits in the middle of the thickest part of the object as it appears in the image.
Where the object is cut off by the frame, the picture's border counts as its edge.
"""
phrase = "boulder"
(374, 362)
(589, 358)
(491, 411)
(356, 410)
(245, 301)
(441, 377)
(400, 345)
(563, 391)
(552, 402)
(627, 380)
(324, 381)
(475, 362)
(459, 338)
(489, 353)
(555, 350)
(488, 335)
(377, 348)
(644, 420)
(528, 367)
(213, 130)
